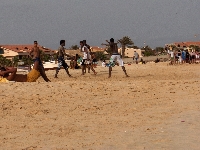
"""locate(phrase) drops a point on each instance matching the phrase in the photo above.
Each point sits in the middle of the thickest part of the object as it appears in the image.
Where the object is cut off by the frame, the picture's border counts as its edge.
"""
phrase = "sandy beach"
(156, 108)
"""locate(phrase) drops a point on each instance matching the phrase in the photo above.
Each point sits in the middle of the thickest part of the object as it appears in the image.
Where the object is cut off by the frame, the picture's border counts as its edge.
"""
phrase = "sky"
(146, 22)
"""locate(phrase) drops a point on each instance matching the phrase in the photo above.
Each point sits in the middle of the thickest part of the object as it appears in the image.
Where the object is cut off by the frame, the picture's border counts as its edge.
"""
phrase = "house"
(183, 45)
(10, 51)
(72, 52)
(97, 49)
(129, 52)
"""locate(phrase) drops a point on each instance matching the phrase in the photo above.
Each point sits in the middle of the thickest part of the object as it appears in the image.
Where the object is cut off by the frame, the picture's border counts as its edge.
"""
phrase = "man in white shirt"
(86, 58)
(172, 57)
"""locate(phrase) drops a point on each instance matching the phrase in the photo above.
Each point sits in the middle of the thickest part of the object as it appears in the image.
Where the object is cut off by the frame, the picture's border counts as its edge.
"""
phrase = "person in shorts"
(115, 56)
(61, 61)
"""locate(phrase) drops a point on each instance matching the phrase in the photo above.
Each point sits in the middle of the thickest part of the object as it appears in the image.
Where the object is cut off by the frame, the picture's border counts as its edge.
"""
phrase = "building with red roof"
(10, 51)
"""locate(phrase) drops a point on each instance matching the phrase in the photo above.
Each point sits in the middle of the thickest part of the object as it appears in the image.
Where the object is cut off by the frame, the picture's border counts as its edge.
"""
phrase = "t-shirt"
(183, 54)
(172, 54)
(136, 54)
(85, 51)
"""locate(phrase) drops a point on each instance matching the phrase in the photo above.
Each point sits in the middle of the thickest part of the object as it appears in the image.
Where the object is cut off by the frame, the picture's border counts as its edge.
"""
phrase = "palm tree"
(100, 55)
(8, 63)
(2, 60)
(125, 41)
(15, 61)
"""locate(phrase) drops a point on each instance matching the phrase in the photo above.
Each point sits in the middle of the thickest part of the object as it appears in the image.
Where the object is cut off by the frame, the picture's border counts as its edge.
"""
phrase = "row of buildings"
(10, 51)
(183, 45)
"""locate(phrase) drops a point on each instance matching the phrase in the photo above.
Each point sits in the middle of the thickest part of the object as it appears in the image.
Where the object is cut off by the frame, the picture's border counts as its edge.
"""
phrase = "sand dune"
(156, 108)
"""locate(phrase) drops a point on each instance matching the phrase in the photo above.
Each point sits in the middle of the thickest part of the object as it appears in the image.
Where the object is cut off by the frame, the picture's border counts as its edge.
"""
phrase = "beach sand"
(156, 108)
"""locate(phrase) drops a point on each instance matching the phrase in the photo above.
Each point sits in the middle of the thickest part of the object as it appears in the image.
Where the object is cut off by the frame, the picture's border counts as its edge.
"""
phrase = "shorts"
(85, 62)
(114, 58)
(183, 58)
(94, 61)
(61, 62)
(39, 60)
(180, 59)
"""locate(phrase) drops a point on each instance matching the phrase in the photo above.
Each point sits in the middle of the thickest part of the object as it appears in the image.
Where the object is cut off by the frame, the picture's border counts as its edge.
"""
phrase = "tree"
(108, 50)
(125, 41)
(75, 47)
(195, 48)
(2, 60)
(100, 55)
(159, 50)
(148, 51)
(44, 57)
(15, 61)
(8, 62)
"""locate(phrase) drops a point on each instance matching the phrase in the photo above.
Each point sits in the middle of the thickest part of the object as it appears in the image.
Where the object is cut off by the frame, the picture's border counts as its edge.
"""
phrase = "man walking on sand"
(61, 60)
(37, 61)
(115, 56)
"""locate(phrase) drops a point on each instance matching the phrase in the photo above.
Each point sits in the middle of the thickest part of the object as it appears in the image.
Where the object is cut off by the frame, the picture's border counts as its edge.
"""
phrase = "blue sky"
(156, 22)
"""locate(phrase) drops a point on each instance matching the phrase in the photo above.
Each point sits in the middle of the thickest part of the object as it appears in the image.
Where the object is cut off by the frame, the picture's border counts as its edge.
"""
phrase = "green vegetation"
(74, 47)
(4, 61)
(195, 48)
(100, 55)
(148, 51)
(125, 41)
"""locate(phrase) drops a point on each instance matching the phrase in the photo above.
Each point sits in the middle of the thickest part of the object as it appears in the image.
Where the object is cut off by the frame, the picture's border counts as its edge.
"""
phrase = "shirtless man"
(37, 61)
(61, 61)
(36, 56)
(115, 56)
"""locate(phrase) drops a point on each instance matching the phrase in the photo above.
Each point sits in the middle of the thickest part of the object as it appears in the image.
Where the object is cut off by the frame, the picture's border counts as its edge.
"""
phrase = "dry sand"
(156, 108)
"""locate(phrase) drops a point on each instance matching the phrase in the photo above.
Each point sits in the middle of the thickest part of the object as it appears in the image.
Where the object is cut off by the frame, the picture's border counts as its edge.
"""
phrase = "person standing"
(136, 57)
(115, 56)
(61, 60)
(183, 56)
(172, 58)
(86, 62)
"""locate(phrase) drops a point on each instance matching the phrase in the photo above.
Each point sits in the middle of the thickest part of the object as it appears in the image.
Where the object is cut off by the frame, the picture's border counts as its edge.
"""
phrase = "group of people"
(10, 73)
(88, 61)
(183, 56)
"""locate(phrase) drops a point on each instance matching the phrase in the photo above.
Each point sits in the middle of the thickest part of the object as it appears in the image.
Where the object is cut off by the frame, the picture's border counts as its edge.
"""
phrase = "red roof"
(24, 48)
(186, 44)
(96, 48)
